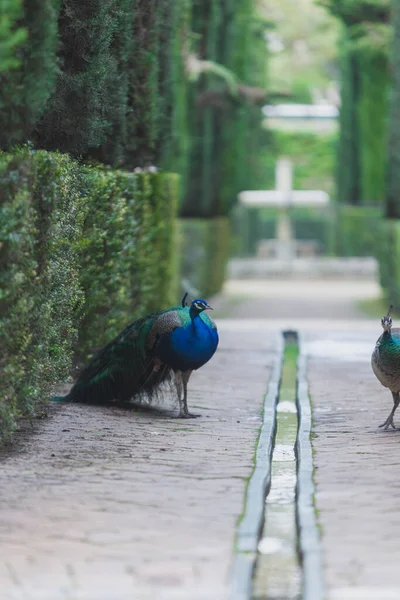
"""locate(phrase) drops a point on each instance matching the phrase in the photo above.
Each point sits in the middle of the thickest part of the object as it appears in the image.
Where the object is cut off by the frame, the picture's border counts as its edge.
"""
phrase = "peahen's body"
(174, 341)
(386, 363)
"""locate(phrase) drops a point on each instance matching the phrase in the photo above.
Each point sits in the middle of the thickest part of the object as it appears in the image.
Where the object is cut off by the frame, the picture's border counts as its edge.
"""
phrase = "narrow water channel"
(278, 573)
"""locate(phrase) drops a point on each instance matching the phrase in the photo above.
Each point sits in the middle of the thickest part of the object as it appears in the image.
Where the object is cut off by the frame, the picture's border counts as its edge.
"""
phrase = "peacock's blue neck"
(193, 313)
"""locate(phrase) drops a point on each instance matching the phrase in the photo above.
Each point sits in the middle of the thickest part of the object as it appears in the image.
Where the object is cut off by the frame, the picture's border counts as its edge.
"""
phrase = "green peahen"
(172, 342)
(386, 363)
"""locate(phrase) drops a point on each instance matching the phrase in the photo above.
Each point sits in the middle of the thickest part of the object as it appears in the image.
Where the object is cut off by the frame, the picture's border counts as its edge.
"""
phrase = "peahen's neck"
(390, 340)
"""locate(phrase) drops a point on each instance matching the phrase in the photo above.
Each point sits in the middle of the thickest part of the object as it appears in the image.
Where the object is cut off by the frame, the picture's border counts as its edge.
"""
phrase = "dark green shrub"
(41, 297)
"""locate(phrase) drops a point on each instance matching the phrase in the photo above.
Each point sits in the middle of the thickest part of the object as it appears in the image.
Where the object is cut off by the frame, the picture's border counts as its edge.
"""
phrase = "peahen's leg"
(389, 420)
(185, 379)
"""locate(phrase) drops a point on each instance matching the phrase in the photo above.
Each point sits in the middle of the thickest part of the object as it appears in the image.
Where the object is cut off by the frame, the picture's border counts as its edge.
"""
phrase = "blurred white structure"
(297, 117)
(301, 111)
(284, 247)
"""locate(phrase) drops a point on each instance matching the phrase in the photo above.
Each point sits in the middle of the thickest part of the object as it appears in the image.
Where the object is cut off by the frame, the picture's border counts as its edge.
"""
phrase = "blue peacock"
(386, 363)
(151, 350)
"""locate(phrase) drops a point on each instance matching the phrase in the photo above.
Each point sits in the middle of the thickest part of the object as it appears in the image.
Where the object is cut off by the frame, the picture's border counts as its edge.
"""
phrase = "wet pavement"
(105, 504)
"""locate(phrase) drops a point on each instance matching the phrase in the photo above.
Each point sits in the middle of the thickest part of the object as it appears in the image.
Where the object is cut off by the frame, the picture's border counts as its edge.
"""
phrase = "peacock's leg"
(389, 420)
(185, 378)
(179, 385)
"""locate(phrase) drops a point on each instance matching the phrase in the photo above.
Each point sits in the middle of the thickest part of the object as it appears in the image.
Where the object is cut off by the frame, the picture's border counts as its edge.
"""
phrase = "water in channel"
(278, 572)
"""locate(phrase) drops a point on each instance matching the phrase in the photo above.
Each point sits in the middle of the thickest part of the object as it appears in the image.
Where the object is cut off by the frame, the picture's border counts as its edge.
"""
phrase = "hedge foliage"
(11, 36)
(132, 83)
(74, 243)
(229, 53)
(205, 251)
(26, 89)
(393, 176)
(250, 226)
(41, 297)
(357, 230)
(388, 250)
(365, 78)
(127, 250)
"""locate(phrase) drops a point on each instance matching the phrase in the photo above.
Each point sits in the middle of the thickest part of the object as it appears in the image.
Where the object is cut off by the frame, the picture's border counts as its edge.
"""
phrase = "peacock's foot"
(187, 415)
(388, 423)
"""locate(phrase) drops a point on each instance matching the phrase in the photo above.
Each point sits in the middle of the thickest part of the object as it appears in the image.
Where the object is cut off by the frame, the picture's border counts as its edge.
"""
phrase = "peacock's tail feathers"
(123, 369)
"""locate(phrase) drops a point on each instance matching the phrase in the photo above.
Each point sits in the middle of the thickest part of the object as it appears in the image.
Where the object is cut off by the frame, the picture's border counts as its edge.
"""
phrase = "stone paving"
(109, 504)
(356, 463)
(356, 466)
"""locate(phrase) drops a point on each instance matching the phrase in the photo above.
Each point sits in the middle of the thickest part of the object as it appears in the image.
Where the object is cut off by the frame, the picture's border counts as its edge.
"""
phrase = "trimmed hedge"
(205, 251)
(127, 250)
(388, 250)
(357, 229)
(40, 294)
(74, 241)
(251, 225)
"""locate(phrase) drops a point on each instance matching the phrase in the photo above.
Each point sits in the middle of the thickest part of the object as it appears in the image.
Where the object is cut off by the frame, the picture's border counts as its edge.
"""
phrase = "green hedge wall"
(127, 250)
(205, 246)
(41, 297)
(388, 250)
(357, 229)
(26, 89)
(74, 242)
(250, 225)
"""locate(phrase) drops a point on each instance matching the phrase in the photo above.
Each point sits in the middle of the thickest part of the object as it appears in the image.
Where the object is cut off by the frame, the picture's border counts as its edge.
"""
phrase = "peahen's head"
(387, 321)
(198, 306)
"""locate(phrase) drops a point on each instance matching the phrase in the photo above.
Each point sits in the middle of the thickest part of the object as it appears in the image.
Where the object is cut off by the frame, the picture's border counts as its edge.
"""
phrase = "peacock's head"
(199, 305)
(387, 321)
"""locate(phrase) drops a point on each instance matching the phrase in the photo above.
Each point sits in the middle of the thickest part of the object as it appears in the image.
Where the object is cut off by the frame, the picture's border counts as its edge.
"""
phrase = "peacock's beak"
(209, 307)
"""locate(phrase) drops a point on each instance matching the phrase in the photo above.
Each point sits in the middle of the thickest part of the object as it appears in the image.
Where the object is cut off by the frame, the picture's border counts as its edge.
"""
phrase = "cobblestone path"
(109, 504)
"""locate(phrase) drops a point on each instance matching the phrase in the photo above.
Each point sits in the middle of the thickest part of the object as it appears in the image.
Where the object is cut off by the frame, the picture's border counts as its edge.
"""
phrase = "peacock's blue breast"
(190, 346)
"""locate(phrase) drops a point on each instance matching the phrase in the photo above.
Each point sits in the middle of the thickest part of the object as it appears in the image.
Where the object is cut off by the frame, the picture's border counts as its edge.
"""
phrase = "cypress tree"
(225, 113)
(76, 118)
(116, 88)
(149, 71)
(25, 90)
(393, 177)
(372, 118)
(11, 36)
(348, 167)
